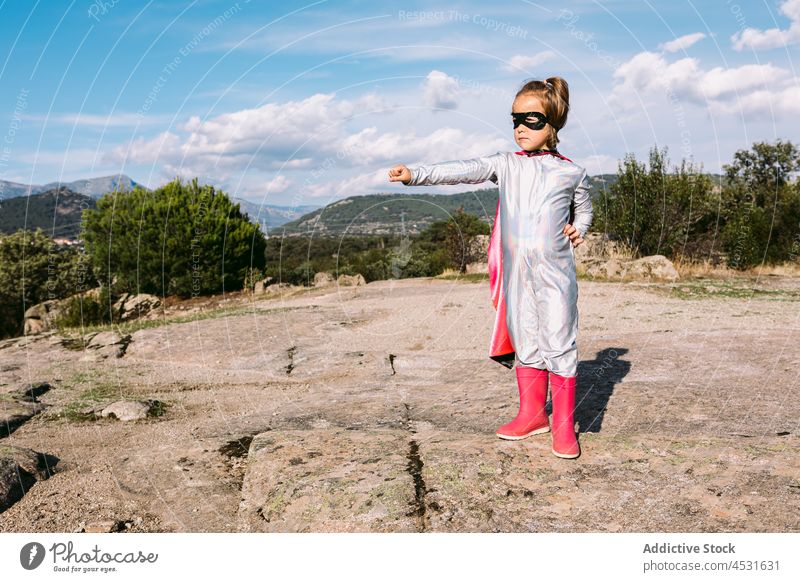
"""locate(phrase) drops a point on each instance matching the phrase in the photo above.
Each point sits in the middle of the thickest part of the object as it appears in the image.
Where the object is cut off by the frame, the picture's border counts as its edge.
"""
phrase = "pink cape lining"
(500, 349)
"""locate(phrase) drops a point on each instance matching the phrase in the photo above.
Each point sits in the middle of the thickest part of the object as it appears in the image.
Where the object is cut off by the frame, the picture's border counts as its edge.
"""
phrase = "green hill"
(57, 212)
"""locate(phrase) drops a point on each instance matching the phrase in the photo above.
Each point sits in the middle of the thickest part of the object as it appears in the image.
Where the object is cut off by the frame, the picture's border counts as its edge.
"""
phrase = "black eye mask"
(531, 119)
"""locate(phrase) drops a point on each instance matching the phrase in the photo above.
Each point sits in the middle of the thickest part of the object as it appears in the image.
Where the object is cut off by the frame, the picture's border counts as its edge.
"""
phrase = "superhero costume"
(532, 277)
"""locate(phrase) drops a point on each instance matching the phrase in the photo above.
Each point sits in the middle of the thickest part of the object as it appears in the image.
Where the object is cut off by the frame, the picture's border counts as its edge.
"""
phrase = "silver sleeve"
(583, 205)
(471, 171)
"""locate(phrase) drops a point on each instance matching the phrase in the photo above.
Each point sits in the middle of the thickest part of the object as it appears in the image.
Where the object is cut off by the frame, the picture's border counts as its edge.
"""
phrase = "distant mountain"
(57, 212)
(94, 187)
(270, 216)
(12, 190)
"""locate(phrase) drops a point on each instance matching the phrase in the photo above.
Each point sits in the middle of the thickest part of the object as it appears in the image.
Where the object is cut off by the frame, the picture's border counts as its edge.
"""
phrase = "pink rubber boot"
(562, 393)
(531, 418)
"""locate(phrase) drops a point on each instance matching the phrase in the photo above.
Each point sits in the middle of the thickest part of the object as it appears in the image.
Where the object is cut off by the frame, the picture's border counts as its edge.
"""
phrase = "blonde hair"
(553, 92)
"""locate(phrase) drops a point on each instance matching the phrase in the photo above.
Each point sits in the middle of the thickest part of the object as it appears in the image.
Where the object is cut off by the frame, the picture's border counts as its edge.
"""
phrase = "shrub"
(658, 209)
(181, 239)
(34, 269)
(84, 310)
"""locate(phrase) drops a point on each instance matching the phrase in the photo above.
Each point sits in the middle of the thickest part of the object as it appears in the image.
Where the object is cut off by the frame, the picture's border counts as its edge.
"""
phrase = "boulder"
(260, 287)
(323, 279)
(16, 412)
(351, 280)
(41, 317)
(130, 306)
(479, 251)
(277, 288)
(106, 343)
(93, 293)
(654, 267)
(20, 469)
(598, 245)
(127, 410)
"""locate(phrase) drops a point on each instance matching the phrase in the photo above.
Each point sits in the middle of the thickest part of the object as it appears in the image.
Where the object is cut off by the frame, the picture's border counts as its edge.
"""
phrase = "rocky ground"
(373, 408)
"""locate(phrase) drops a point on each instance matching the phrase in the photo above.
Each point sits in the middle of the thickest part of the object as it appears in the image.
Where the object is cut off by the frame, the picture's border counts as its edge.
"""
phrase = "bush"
(761, 205)
(180, 239)
(456, 238)
(34, 269)
(83, 310)
(656, 209)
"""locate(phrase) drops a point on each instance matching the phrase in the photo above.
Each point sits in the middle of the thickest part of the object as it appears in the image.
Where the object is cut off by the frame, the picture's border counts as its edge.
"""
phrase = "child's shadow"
(596, 381)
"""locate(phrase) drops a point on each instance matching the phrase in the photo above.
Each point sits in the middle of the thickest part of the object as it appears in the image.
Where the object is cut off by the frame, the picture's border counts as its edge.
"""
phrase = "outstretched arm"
(471, 171)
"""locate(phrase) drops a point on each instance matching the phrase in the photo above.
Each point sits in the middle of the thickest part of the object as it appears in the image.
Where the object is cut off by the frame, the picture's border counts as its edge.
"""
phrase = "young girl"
(531, 258)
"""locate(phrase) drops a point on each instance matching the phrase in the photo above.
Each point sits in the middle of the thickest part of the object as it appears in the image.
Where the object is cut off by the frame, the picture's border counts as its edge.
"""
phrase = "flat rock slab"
(653, 484)
(327, 480)
(430, 479)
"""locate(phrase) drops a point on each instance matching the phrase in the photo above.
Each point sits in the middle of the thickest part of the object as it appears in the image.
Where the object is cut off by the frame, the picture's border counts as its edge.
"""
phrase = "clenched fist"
(400, 174)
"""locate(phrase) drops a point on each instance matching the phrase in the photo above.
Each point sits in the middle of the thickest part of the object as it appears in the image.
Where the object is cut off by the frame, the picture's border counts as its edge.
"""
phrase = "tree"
(34, 269)
(456, 238)
(181, 239)
(764, 170)
(658, 209)
(761, 205)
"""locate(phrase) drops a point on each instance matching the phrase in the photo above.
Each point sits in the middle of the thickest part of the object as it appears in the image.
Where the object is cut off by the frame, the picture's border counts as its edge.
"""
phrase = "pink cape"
(501, 349)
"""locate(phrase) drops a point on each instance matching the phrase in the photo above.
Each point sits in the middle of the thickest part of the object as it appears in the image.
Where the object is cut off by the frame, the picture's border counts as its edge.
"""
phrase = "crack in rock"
(291, 352)
(414, 468)
(123, 343)
(391, 363)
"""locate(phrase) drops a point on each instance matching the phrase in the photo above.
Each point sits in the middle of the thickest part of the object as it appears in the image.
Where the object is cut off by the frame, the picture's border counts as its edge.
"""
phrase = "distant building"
(65, 241)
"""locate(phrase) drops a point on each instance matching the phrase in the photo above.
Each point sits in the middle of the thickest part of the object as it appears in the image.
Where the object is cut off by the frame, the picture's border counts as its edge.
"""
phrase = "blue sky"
(305, 103)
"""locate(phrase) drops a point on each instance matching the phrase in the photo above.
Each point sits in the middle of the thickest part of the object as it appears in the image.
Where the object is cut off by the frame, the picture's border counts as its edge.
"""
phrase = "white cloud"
(764, 103)
(263, 147)
(266, 137)
(81, 157)
(526, 63)
(440, 91)
(682, 42)
(370, 147)
(355, 185)
(279, 183)
(773, 37)
(146, 151)
(650, 73)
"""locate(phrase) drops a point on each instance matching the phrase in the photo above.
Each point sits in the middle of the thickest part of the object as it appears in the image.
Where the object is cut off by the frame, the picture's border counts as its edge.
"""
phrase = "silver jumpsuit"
(540, 287)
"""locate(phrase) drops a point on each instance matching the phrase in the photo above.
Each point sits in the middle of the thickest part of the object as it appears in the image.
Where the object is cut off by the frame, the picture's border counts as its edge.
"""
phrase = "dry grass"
(706, 270)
